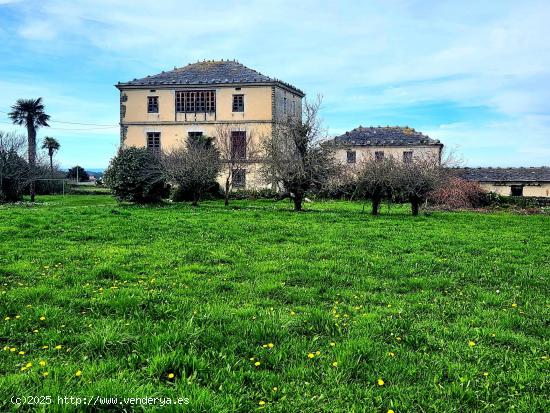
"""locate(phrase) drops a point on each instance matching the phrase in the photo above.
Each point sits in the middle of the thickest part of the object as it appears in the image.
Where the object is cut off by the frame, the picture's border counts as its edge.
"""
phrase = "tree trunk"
(227, 189)
(298, 197)
(376, 205)
(415, 205)
(51, 163)
(31, 132)
(195, 199)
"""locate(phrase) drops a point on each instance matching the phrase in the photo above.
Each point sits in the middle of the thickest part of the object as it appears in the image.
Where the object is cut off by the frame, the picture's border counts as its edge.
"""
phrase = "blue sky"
(474, 74)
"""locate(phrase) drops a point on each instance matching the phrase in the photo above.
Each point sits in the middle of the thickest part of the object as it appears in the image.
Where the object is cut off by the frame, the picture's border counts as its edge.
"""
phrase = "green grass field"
(256, 307)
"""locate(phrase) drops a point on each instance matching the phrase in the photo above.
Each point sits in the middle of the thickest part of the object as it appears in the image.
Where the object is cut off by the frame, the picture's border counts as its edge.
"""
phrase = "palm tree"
(52, 146)
(30, 112)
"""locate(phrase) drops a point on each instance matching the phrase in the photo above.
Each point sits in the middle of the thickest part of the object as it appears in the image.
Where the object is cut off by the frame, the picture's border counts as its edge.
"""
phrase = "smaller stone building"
(511, 181)
(402, 143)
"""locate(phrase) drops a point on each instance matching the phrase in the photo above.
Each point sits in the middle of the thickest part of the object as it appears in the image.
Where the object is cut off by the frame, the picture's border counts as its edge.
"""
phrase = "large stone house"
(161, 111)
(402, 143)
(510, 181)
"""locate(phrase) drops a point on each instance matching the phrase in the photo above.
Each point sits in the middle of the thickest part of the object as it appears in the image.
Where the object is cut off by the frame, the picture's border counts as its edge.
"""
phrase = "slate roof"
(540, 174)
(385, 136)
(209, 72)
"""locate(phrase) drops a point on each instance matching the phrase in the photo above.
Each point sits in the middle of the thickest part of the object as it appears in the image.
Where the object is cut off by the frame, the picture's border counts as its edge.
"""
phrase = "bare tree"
(15, 173)
(417, 179)
(296, 156)
(238, 153)
(193, 166)
(377, 180)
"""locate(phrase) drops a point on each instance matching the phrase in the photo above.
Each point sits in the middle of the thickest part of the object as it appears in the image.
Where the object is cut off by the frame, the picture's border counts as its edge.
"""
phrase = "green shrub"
(135, 175)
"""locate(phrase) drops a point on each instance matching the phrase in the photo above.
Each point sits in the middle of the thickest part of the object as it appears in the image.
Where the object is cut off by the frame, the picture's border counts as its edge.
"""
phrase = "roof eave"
(124, 86)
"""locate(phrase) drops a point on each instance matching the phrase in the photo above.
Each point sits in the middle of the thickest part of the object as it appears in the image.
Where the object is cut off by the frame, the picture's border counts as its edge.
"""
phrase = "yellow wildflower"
(21, 353)
(471, 343)
(170, 375)
(58, 347)
(391, 354)
(42, 363)
(45, 374)
(380, 382)
(42, 318)
(275, 389)
(261, 403)
(334, 364)
(310, 355)
(78, 373)
(270, 345)
(257, 363)
(332, 344)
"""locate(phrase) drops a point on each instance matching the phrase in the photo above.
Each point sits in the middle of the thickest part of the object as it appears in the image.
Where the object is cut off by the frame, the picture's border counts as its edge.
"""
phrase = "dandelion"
(21, 353)
(45, 347)
(380, 382)
(292, 313)
(170, 375)
(23, 368)
(264, 345)
(471, 343)
(514, 305)
(252, 359)
(270, 345)
(257, 363)
(35, 331)
(28, 365)
(78, 373)
(310, 355)
(391, 354)
(398, 338)
(6, 318)
(42, 363)
(58, 347)
(261, 403)
(6, 348)
(332, 344)
(334, 364)
(275, 389)
(317, 352)
(18, 317)
(390, 411)
(485, 373)
(45, 374)
(12, 349)
(42, 318)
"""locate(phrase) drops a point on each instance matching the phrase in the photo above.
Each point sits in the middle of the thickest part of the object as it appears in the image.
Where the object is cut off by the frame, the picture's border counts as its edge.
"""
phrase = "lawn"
(256, 307)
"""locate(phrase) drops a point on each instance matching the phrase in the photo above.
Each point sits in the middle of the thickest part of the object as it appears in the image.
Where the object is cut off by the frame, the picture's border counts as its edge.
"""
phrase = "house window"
(294, 107)
(152, 104)
(517, 190)
(194, 135)
(284, 105)
(407, 157)
(238, 103)
(379, 155)
(238, 145)
(153, 141)
(193, 101)
(239, 178)
(352, 156)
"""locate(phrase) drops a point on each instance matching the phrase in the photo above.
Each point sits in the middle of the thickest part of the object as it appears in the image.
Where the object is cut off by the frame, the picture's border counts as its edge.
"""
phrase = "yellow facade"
(535, 190)
(364, 153)
(263, 104)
